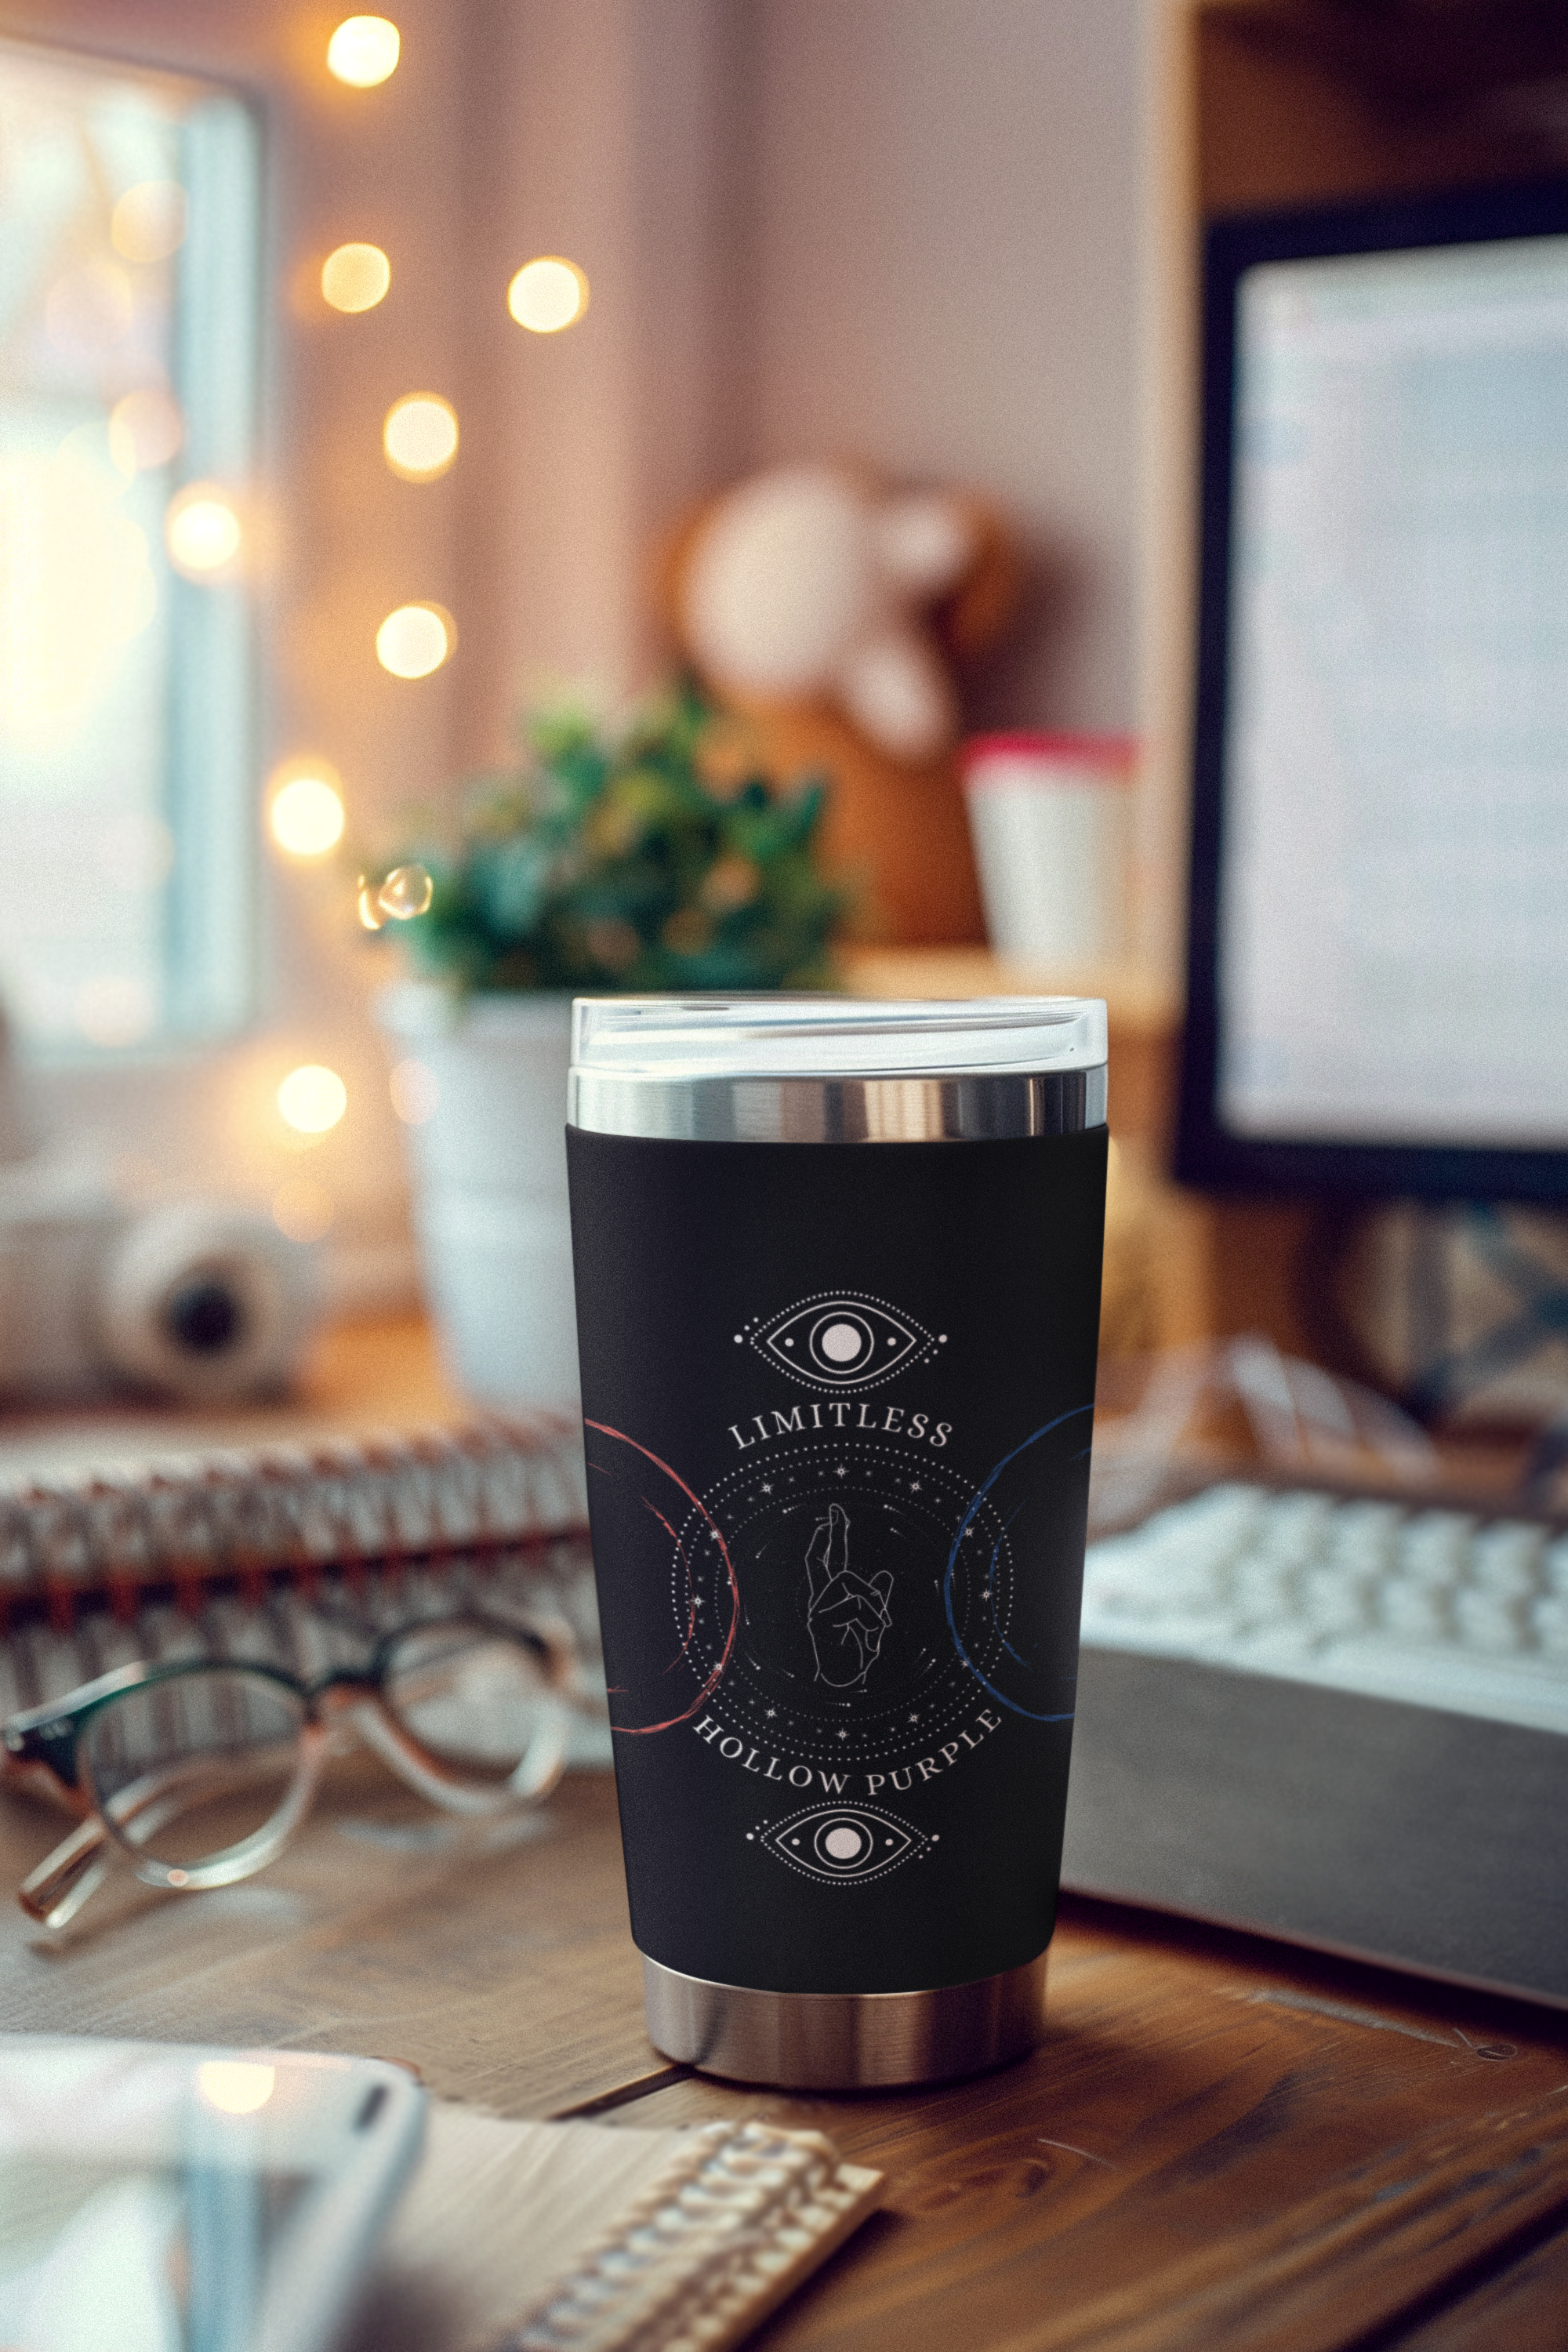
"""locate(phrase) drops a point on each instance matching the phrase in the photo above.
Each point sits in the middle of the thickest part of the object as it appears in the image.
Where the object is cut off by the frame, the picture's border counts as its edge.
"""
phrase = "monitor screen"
(1379, 932)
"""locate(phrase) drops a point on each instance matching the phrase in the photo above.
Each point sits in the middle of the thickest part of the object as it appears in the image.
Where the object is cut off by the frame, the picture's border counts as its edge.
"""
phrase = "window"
(129, 305)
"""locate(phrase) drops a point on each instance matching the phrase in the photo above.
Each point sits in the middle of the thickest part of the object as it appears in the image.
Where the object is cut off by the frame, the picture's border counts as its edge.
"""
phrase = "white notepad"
(537, 2237)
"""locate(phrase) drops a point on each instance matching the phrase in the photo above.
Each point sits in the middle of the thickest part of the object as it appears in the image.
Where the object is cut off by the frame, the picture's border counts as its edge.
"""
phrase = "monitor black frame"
(1208, 1154)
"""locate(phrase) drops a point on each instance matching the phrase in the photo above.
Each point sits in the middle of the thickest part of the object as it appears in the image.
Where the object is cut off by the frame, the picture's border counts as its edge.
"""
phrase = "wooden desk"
(1222, 2143)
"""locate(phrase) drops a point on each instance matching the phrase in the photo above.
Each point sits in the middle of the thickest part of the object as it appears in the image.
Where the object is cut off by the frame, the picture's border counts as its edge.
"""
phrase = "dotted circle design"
(857, 1728)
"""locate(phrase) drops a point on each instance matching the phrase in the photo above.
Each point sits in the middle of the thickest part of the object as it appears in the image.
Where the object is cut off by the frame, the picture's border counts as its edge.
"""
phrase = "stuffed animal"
(827, 609)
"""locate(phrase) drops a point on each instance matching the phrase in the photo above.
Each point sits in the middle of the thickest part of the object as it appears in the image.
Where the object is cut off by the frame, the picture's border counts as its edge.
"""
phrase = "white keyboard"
(1435, 1607)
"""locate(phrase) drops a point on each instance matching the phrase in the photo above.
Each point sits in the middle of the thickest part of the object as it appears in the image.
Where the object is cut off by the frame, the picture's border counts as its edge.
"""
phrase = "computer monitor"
(1378, 929)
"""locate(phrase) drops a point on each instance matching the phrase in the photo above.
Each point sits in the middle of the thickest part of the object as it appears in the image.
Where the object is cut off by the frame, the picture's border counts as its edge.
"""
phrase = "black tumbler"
(837, 1267)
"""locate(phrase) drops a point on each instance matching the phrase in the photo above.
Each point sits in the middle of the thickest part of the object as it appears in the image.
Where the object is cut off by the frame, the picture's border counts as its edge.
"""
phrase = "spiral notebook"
(290, 1554)
(576, 2238)
(513, 2237)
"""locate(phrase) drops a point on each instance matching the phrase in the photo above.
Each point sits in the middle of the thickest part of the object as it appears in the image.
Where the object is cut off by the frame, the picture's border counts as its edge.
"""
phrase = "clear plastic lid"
(680, 1038)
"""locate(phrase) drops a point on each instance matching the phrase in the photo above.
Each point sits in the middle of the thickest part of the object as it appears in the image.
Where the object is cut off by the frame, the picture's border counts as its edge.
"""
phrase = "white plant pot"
(488, 1164)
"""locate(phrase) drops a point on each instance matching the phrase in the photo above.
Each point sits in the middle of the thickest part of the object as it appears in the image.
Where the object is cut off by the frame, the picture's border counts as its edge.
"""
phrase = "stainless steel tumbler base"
(844, 2040)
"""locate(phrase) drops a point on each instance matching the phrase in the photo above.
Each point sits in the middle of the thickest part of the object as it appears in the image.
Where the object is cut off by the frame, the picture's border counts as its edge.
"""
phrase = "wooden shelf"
(1300, 101)
(1444, 57)
(357, 1378)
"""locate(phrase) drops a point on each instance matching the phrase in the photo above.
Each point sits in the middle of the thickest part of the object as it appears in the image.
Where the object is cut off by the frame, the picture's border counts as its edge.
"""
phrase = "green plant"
(605, 863)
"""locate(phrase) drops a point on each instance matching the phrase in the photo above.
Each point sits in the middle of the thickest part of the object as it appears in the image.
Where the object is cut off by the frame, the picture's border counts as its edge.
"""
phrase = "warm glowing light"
(415, 1091)
(312, 1098)
(420, 436)
(303, 1209)
(146, 430)
(364, 51)
(201, 530)
(234, 2086)
(547, 295)
(355, 277)
(305, 815)
(414, 640)
(370, 913)
(76, 586)
(149, 222)
(116, 1011)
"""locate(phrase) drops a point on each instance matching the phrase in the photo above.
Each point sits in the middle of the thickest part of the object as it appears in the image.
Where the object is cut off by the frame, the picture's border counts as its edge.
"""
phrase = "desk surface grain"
(1221, 2143)
(504, 1973)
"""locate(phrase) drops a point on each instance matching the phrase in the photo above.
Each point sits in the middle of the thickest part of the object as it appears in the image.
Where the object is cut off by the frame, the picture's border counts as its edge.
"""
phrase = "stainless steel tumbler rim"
(837, 1070)
(844, 2040)
(908, 1107)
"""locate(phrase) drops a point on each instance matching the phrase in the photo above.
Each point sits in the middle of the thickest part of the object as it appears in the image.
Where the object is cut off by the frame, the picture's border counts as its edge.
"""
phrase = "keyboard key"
(1437, 1607)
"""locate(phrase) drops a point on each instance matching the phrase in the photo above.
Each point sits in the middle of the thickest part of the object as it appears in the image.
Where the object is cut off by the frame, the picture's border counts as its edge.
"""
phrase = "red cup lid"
(1109, 756)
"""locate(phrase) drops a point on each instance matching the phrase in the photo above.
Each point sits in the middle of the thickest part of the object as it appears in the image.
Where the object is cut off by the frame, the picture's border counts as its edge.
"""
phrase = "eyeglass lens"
(191, 1767)
(472, 1696)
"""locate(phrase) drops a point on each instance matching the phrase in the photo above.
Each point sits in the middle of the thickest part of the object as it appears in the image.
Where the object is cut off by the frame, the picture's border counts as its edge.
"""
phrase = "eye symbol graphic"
(838, 1841)
(842, 1341)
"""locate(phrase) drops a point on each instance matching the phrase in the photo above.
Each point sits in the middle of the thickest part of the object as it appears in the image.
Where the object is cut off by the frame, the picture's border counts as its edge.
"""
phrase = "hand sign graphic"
(847, 1614)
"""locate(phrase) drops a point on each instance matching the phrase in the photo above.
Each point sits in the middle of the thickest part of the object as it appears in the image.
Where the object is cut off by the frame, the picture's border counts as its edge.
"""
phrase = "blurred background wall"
(902, 230)
(899, 230)
(946, 209)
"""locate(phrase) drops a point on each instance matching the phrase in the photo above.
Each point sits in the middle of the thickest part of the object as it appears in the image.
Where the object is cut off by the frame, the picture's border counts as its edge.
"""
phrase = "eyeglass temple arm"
(56, 1891)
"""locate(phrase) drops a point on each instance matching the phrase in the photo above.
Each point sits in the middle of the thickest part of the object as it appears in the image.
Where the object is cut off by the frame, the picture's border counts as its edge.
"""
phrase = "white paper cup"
(1051, 820)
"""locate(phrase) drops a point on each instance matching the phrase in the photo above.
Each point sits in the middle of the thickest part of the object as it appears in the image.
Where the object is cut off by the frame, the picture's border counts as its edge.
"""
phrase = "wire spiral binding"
(709, 2247)
(295, 1555)
(294, 1509)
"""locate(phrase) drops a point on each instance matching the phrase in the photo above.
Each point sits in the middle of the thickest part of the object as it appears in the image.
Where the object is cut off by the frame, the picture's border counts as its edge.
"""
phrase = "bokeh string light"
(419, 441)
(202, 530)
(547, 295)
(312, 1098)
(355, 277)
(364, 51)
(419, 437)
(305, 815)
(415, 639)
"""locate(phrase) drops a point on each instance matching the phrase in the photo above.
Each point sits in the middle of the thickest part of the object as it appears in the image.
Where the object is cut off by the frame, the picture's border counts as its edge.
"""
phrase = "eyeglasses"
(199, 1772)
